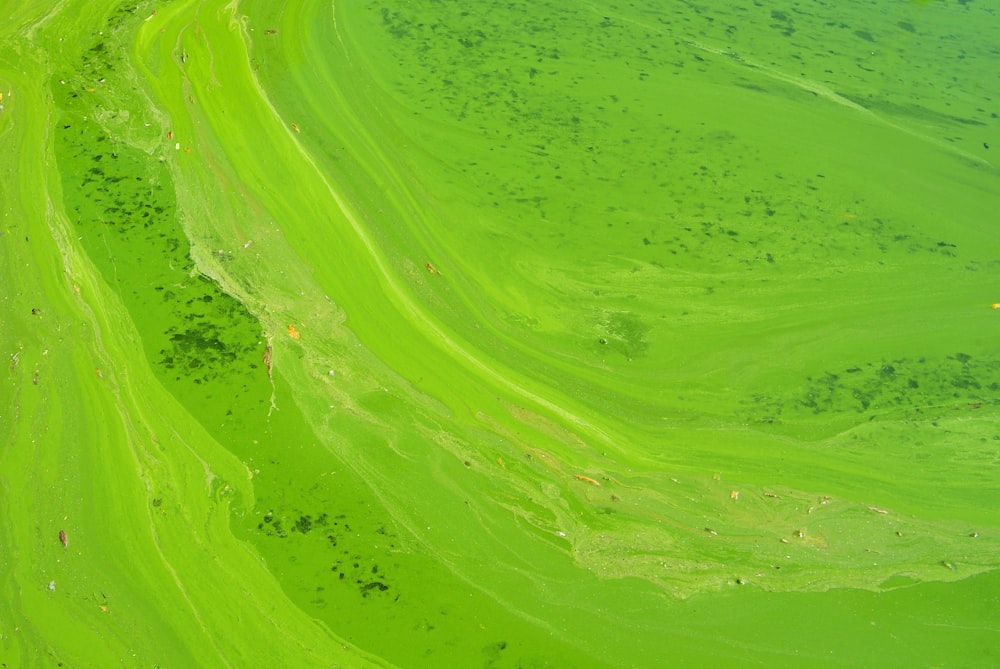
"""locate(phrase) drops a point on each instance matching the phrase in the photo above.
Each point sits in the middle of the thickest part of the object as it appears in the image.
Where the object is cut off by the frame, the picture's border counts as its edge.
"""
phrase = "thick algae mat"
(552, 334)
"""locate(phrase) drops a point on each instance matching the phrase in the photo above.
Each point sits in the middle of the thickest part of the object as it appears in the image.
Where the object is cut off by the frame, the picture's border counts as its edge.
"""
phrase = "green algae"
(100, 451)
(554, 305)
(831, 238)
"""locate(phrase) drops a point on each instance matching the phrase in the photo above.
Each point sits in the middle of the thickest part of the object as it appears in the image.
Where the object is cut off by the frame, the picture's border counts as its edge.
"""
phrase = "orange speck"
(586, 479)
(293, 332)
(98, 372)
(187, 149)
(995, 305)
(295, 127)
(89, 89)
(734, 495)
(432, 269)
(170, 134)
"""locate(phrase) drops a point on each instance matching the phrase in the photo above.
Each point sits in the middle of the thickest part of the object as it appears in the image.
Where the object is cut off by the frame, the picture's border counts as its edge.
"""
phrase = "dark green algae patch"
(120, 201)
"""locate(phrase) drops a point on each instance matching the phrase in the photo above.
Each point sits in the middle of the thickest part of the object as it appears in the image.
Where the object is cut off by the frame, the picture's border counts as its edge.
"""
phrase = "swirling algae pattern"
(498, 334)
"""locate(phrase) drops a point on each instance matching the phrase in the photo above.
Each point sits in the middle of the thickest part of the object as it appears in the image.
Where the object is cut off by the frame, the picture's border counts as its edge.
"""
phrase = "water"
(427, 334)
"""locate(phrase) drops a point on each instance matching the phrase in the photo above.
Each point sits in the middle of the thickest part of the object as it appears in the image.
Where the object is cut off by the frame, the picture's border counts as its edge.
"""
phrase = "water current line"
(828, 93)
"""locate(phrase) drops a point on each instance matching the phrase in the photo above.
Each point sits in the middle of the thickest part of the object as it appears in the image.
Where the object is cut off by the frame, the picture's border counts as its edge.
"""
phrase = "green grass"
(431, 334)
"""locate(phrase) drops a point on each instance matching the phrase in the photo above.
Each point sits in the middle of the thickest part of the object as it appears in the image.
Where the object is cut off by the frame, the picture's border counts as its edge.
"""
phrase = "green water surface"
(527, 334)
